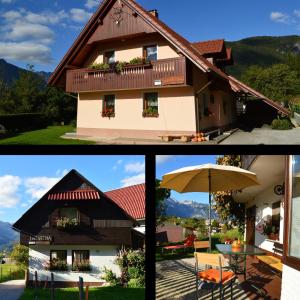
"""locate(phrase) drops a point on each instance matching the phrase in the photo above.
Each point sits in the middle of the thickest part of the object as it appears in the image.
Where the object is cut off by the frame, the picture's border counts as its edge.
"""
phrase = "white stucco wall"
(176, 107)
(263, 203)
(290, 287)
(100, 256)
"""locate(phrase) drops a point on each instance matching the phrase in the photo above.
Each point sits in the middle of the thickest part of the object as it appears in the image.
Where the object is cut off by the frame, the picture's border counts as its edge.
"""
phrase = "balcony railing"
(165, 72)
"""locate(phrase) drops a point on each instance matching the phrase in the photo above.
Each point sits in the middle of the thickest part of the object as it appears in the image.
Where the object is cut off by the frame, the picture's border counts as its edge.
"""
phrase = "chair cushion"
(213, 275)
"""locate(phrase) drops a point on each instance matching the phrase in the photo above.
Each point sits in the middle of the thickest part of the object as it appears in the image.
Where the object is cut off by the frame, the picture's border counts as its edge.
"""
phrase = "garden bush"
(110, 277)
(281, 124)
(23, 122)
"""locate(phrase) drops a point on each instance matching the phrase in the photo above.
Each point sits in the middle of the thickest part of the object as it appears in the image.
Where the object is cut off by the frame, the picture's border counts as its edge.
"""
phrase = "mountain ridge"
(8, 236)
(188, 209)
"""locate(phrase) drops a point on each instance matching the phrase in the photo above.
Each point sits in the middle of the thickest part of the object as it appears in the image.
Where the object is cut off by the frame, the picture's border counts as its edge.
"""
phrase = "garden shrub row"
(22, 122)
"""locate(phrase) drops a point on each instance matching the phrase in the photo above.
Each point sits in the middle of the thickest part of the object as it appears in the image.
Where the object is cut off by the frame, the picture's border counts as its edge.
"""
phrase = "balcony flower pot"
(57, 265)
(67, 224)
(150, 113)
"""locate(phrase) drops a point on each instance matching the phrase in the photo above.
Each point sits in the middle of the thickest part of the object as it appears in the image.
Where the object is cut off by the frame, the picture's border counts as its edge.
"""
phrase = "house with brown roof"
(76, 230)
(136, 77)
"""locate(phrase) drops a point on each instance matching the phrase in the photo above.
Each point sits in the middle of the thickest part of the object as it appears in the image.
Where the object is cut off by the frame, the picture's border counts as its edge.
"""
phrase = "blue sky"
(40, 32)
(169, 163)
(24, 179)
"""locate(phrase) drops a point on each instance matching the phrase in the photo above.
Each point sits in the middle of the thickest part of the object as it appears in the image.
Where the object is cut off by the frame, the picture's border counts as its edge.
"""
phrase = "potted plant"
(138, 62)
(67, 223)
(100, 66)
(120, 65)
(150, 112)
(57, 265)
(81, 266)
(108, 112)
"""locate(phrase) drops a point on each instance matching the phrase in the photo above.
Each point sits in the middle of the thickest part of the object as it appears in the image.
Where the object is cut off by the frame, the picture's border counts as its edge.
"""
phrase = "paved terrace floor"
(175, 279)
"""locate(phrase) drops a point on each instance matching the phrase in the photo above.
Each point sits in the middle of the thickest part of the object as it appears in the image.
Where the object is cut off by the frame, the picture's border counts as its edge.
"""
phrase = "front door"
(250, 223)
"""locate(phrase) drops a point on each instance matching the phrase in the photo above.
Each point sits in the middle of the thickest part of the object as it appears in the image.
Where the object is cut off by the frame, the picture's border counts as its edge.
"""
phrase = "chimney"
(154, 12)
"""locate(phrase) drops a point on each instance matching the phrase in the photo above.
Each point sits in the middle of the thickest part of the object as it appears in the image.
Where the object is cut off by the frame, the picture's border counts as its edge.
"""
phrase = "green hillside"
(263, 51)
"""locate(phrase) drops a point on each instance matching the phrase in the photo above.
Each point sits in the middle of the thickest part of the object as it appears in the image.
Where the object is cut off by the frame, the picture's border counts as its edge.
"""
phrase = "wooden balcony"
(162, 73)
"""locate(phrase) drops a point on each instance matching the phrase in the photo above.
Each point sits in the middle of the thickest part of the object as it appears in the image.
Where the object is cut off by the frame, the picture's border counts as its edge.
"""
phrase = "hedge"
(281, 124)
(23, 122)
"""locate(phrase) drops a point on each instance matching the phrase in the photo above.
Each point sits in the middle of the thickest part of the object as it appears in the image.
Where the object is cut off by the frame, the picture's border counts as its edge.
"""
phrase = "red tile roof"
(131, 199)
(209, 47)
(75, 195)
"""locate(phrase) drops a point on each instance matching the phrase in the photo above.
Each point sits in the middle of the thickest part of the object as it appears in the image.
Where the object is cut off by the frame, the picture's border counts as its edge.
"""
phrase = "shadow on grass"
(103, 293)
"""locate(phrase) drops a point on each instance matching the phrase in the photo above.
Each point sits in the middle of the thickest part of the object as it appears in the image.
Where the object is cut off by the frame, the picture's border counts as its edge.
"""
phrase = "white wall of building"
(263, 202)
(290, 287)
(100, 257)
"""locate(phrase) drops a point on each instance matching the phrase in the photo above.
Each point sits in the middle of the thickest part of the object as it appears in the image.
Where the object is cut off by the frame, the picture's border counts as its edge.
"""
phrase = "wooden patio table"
(234, 253)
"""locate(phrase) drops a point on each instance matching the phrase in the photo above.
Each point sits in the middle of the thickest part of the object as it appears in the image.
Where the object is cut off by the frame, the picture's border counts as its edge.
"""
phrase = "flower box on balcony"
(133, 66)
(67, 224)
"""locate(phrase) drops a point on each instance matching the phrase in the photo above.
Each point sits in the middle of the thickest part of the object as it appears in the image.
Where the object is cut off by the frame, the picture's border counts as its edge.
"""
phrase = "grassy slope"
(263, 51)
(49, 136)
(10, 272)
(105, 293)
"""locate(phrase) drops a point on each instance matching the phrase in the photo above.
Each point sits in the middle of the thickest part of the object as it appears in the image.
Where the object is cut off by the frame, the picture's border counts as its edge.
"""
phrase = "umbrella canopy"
(196, 179)
(208, 178)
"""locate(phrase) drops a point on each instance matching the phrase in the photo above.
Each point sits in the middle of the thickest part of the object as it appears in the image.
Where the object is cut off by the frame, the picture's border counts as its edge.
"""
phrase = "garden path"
(12, 289)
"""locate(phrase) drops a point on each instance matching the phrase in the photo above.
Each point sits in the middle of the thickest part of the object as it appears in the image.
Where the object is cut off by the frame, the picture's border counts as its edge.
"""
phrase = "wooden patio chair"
(201, 245)
(217, 275)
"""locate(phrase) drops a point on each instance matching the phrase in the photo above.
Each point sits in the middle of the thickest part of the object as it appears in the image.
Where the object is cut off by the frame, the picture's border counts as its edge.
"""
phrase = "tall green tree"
(160, 197)
(224, 203)
(28, 92)
(278, 82)
(20, 254)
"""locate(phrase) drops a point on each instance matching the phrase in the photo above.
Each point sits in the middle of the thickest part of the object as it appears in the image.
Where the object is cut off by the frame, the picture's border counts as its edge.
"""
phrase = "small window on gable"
(108, 108)
(109, 57)
(150, 108)
(150, 53)
(68, 212)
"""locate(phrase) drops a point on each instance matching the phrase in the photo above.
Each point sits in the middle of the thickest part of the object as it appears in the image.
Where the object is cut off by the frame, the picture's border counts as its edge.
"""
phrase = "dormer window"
(109, 57)
(150, 53)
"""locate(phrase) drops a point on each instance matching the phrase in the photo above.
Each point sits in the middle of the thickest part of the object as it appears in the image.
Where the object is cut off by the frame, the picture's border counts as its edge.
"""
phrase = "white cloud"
(27, 31)
(297, 13)
(133, 180)
(136, 167)
(37, 187)
(279, 17)
(30, 52)
(46, 17)
(6, 1)
(61, 173)
(9, 186)
(117, 164)
(160, 159)
(92, 3)
(80, 15)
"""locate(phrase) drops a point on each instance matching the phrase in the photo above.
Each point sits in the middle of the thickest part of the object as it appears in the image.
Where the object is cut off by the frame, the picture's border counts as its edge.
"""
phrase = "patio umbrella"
(208, 178)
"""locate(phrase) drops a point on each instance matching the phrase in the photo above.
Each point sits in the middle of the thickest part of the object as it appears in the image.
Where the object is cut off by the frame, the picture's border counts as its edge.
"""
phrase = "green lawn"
(49, 136)
(104, 293)
(10, 272)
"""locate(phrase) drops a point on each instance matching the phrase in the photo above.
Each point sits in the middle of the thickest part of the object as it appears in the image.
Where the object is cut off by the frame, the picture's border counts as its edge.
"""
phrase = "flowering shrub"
(108, 112)
(132, 265)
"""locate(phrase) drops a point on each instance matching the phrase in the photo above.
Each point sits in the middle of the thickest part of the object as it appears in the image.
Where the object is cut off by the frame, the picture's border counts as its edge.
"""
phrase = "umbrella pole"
(209, 209)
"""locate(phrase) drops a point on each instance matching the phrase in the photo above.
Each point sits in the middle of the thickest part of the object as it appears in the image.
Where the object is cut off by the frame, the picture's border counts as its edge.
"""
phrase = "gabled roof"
(178, 41)
(210, 47)
(69, 188)
(131, 199)
(191, 51)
